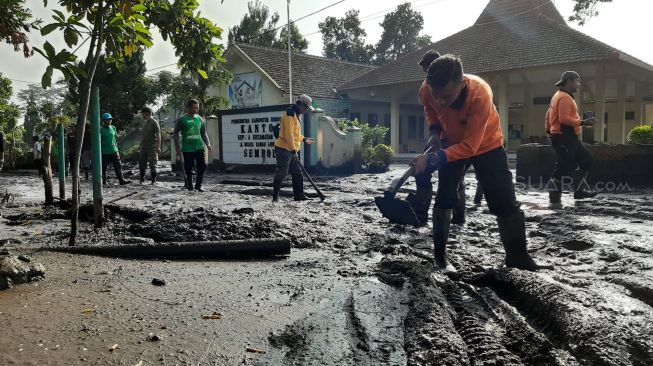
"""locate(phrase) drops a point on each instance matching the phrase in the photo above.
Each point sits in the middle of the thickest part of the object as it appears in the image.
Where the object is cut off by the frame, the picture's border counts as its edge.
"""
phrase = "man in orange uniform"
(437, 139)
(462, 106)
(562, 124)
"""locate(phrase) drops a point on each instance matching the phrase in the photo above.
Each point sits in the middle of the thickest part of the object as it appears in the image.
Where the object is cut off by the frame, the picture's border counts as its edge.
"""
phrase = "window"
(372, 119)
(354, 115)
(412, 127)
(542, 100)
(630, 116)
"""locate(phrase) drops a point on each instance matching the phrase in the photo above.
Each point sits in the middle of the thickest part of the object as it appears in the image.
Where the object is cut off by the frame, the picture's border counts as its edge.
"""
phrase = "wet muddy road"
(354, 291)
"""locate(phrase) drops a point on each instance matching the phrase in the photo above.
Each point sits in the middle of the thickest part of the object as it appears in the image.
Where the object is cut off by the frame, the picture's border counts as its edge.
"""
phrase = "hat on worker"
(306, 101)
(567, 75)
(107, 116)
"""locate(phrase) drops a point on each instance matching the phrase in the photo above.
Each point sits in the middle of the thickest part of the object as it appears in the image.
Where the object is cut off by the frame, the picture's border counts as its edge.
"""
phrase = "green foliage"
(9, 112)
(400, 34)
(37, 103)
(258, 27)
(378, 158)
(15, 22)
(641, 135)
(130, 154)
(344, 39)
(584, 10)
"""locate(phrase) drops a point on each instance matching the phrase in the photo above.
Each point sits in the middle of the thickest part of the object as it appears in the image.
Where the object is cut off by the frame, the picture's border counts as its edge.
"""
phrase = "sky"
(622, 24)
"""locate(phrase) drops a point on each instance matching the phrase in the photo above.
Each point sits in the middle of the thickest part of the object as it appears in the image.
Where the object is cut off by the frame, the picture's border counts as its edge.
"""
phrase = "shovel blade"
(397, 211)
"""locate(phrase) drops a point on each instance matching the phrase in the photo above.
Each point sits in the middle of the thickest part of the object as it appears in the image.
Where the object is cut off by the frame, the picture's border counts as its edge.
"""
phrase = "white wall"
(271, 95)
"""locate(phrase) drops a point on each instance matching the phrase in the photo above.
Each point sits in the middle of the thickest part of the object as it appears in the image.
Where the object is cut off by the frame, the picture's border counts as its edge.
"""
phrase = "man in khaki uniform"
(150, 144)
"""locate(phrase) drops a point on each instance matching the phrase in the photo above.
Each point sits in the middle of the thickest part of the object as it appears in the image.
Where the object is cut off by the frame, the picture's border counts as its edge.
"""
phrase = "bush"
(641, 135)
(372, 136)
(130, 154)
(378, 158)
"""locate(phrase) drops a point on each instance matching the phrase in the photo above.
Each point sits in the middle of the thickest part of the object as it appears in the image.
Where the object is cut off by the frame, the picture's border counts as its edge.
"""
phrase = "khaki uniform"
(150, 146)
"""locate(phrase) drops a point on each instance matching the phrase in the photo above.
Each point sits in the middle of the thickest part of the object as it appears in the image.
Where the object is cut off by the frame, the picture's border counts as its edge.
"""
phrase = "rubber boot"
(478, 196)
(276, 188)
(555, 191)
(421, 202)
(458, 216)
(189, 182)
(512, 230)
(142, 176)
(580, 185)
(298, 188)
(153, 177)
(441, 223)
(198, 182)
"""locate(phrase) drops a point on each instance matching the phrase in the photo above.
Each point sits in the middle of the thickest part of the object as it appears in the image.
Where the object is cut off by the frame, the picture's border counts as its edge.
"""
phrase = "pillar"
(528, 111)
(620, 118)
(503, 106)
(599, 108)
(394, 124)
(640, 107)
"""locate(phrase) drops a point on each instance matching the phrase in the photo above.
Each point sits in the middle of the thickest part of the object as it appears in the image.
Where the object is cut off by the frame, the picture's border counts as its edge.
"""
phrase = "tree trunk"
(47, 172)
(92, 59)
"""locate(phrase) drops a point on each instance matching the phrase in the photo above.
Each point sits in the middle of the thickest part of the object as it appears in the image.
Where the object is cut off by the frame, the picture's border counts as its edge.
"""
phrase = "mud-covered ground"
(355, 290)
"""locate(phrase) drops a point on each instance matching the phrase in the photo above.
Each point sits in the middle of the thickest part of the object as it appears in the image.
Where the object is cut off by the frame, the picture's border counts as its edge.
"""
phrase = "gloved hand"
(430, 162)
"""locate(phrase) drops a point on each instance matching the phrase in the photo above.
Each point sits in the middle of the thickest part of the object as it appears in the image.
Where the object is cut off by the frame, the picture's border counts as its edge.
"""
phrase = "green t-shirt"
(191, 135)
(108, 139)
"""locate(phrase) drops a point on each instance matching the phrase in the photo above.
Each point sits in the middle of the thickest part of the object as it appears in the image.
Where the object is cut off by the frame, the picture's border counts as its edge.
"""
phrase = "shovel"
(396, 210)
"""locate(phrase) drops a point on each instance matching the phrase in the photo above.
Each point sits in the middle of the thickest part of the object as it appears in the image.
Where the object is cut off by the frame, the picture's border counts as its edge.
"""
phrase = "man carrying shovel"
(286, 149)
(464, 110)
(563, 126)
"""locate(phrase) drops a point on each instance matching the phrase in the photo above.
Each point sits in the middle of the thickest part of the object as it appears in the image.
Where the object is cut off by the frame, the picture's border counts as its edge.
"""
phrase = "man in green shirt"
(150, 144)
(109, 148)
(193, 139)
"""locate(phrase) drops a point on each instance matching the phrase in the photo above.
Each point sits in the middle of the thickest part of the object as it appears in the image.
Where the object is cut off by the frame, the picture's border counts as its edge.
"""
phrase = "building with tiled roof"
(521, 47)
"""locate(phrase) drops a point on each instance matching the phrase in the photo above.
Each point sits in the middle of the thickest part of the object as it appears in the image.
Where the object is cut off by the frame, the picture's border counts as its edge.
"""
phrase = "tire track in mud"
(593, 337)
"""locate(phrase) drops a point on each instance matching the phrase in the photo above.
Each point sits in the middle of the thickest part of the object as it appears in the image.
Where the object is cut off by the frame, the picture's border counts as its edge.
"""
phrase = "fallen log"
(249, 248)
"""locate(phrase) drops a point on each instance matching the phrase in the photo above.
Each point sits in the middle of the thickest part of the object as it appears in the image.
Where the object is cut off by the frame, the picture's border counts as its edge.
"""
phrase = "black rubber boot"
(512, 230)
(276, 188)
(142, 176)
(298, 188)
(581, 188)
(421, 202)
(198, 183)
(555, 191)
(189, 183)
(441, 223)
(153, 177)
(458, 216)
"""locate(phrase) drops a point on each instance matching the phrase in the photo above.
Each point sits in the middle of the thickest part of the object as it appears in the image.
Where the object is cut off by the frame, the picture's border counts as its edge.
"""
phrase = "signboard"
(246, 135)
(246, 90)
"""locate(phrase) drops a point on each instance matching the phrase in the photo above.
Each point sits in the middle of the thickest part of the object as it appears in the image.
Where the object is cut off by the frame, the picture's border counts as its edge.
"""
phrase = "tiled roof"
(312, 75)
(506, 36)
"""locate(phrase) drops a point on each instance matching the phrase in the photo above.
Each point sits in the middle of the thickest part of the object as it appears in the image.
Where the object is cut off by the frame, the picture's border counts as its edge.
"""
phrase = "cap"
(567, 75)
(306, 100)
(107, 116)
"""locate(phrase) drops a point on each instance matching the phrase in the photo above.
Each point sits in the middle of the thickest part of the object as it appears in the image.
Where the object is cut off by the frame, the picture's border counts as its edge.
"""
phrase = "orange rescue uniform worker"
(461, 104)
(562, 124)
(286, 148)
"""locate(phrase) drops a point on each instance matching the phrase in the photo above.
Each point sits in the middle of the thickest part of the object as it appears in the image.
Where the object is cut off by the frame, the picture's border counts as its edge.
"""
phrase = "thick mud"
(354, 291)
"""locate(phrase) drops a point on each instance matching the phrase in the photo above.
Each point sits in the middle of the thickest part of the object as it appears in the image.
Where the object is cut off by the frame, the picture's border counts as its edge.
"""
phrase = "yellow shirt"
(290, 132)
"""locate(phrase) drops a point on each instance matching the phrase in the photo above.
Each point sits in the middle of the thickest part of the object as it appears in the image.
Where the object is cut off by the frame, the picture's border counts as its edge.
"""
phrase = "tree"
(15, 22)
(257, 26)
(119, 29)
(400, 34)
(33, 98)
(9, 112)
(297, 41)
(585, 9)
(124, 90)
(344, 39)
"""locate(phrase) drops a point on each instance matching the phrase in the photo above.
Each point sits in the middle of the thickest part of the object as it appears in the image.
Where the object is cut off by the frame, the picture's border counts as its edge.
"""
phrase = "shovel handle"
(396, 183)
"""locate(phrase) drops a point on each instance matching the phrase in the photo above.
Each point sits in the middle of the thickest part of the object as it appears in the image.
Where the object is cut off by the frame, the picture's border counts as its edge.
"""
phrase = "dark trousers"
(147, 157)
(113, 159)
(570, 154)
(288, 162)
(493, 174)
(198, 159)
